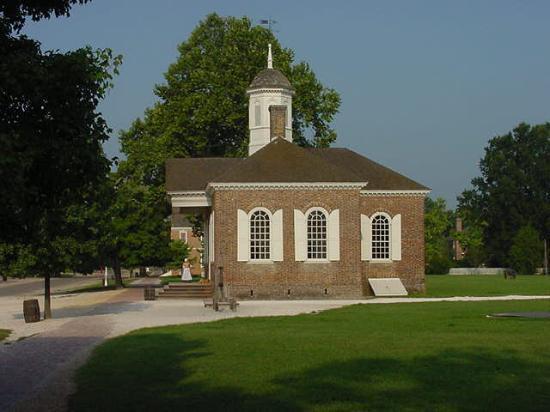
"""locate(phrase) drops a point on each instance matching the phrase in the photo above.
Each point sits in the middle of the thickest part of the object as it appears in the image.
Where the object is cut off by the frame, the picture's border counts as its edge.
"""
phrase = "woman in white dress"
(186, 271)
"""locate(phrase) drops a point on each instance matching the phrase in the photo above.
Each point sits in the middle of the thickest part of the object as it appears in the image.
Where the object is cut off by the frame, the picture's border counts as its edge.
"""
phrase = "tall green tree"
(513, 190)
(438, 224)
(526, 251)
(203, 107)
(50, 134)
(203, 111)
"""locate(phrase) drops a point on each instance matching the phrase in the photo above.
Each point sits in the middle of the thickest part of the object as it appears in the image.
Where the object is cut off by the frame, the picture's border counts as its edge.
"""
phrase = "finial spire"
(269, 57)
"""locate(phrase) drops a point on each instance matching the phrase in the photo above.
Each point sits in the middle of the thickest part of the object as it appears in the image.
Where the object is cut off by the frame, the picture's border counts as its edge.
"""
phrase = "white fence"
(477, 271)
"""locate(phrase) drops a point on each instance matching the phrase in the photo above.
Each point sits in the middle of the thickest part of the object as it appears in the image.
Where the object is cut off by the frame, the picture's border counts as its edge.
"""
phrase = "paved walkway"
(35, 286)
(36, 373)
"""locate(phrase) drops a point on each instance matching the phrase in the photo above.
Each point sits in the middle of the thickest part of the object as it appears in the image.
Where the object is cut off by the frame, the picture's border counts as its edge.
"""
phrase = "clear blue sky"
(424, 84)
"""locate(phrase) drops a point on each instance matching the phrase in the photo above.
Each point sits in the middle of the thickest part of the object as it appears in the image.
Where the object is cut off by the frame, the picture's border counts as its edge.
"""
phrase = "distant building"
(294, 222)
(182, 229)
(458, 252)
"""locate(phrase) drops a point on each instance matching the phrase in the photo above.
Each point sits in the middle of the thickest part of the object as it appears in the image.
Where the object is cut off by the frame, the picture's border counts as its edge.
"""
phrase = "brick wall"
(195, 247)
(277, 121)
(290, 279)
(411, 266)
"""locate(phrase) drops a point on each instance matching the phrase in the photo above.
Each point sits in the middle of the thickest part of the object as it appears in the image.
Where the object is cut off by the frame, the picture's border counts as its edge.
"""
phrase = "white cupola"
(269, 107)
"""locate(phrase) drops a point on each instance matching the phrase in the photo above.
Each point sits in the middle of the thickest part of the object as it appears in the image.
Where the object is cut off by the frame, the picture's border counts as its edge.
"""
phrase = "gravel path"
(37, 372)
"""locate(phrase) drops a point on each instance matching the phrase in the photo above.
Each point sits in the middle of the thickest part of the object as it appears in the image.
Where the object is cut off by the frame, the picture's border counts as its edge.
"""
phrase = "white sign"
(388, 287)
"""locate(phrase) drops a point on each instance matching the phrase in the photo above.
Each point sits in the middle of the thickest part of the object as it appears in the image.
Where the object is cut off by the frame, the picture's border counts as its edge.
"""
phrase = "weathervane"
(269, 23)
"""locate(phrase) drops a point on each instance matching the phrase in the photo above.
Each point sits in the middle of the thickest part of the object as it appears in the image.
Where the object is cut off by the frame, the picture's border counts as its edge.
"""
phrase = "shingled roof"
(378, 177)
(195, 173)
(283, 162)
(270, 78)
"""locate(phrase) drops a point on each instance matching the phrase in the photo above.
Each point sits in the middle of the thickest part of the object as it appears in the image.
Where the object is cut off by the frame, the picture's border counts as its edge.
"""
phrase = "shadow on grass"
(154, 371)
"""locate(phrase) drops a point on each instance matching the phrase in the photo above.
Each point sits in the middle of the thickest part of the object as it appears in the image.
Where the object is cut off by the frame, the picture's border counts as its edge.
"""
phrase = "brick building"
(182, 229)
(292, 222)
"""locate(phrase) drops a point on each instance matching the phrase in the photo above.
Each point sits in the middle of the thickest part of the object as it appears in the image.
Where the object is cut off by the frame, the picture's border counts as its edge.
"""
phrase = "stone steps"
(186, 291)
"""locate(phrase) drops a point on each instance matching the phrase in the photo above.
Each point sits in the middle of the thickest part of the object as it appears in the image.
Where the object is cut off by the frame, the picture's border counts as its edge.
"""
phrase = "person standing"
(186, 271)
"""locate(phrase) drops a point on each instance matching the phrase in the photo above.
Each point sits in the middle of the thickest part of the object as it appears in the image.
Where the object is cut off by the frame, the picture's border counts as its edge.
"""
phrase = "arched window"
(316, 235)
(260, 236)
(380, 237)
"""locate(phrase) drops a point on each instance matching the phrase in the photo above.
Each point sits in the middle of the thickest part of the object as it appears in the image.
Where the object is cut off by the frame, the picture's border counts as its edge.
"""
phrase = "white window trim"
(184, 232)
(326, 214)
(387, 216)
(268, 212)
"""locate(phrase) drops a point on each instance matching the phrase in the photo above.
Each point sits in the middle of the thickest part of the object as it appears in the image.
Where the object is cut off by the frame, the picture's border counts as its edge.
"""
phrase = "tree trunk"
(545, 270)
(47, 298)
(142, 271)
(4, 277)
(118, 273)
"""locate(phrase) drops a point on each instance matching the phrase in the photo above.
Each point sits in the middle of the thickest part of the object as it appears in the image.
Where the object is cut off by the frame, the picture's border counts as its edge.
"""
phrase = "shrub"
(179, 250)
(526, 251)
(439, 264)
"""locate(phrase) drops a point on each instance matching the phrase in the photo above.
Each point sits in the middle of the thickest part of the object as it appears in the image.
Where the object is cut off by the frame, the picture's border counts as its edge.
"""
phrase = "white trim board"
(285, 186)
(395, 192)
(190, 199)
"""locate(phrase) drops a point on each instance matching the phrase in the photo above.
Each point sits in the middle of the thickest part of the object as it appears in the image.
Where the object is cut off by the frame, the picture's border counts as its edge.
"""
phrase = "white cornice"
(186, 192)
(190, 199)
(395, 192)
(270, 90)
(286, 186)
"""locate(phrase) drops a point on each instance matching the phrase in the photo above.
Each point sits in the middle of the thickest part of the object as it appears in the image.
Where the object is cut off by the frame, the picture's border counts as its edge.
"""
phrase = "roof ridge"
(276, 162)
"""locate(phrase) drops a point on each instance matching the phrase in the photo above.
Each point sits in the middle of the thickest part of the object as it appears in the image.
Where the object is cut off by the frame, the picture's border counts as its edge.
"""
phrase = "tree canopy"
(513, 190)
(438, 223)
(14, 12)
(203, 107)
(51, 137)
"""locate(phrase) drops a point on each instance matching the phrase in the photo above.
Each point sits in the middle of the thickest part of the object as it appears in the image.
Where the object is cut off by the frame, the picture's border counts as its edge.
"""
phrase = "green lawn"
(97, 287)
(485, 285)
(4, 333)
(176, 279)
(445, 356)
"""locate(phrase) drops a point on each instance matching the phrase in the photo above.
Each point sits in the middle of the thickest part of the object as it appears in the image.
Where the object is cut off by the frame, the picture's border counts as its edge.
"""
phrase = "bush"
(15, 260)
(438, 265)
(179, 250)
(526, 251)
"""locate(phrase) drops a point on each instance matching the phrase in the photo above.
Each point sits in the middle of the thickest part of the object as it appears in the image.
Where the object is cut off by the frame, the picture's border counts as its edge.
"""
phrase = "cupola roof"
(270, 78)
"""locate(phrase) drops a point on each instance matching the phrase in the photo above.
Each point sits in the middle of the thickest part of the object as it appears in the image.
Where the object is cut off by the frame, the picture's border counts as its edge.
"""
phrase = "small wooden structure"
(220, 297)
(31, 310)
(149, 293)
(509, 273)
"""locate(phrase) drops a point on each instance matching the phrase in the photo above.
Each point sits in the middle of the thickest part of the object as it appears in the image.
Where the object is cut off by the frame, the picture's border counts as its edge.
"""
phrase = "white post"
(106, 278)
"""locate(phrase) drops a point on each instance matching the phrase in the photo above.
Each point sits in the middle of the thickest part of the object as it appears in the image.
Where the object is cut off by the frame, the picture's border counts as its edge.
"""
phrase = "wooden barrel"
(149, 293)
(31, 310)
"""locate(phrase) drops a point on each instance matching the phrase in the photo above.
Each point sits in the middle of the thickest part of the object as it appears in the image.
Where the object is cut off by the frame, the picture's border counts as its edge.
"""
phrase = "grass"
(176, 279)
(445, 356)
(485, 285)
(4, 333)
(98, 286)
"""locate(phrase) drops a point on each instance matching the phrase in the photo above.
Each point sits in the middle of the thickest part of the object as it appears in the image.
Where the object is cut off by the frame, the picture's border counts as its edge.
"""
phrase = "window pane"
(316, 235)
(259, 236)
(380, 237)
